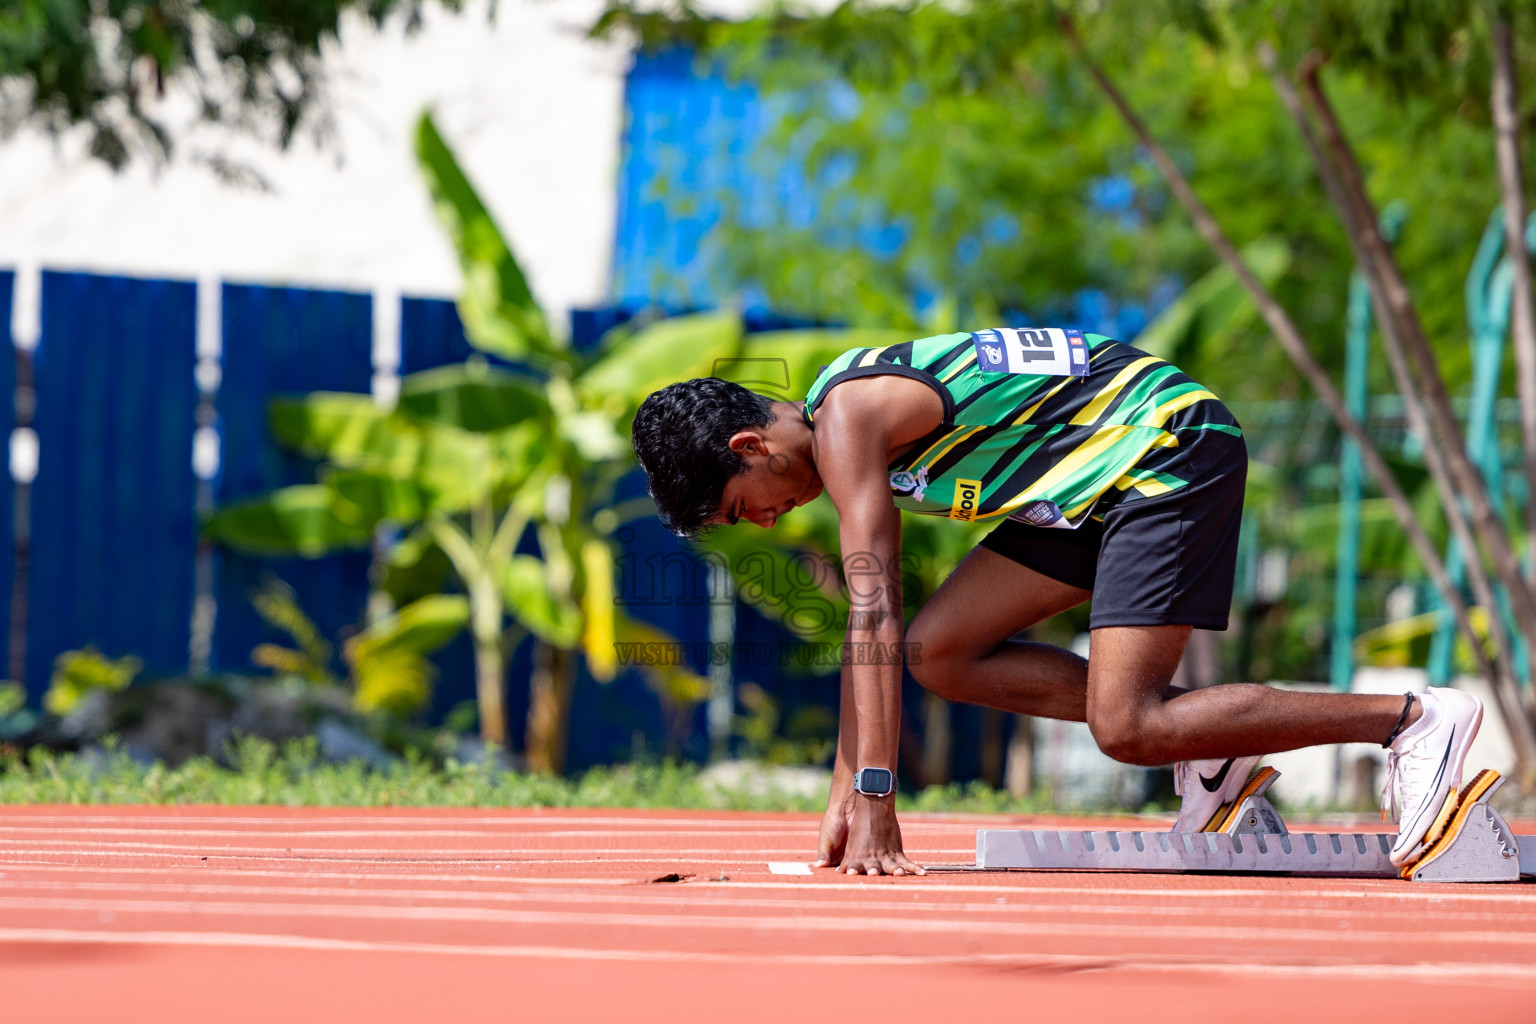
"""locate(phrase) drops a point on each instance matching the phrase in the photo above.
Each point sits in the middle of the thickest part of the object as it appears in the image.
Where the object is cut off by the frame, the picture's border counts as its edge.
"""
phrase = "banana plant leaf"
(784, 364)
(390, 671)
(598, 633)
(420, 627)
(473, 397)
(379, 495)
(797, 587)
(415, 567)
(669, 350)
(496, 306)
(525, 586)
(348, 429)
(458, 468)
(670, 678)
(1214, 307)
(594, 435)
(309, 520)
(1407, 641)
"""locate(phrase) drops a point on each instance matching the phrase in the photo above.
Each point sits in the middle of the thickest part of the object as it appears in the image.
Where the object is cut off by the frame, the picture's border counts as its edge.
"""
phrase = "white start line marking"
(788, 867)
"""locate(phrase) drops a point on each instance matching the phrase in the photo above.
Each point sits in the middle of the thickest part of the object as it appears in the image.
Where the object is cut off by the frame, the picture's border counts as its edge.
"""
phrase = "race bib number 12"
(1043, 351)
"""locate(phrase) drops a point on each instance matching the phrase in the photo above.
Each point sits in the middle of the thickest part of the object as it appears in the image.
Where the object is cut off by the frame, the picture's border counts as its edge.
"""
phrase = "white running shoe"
(1207, 787)
(1424, 766)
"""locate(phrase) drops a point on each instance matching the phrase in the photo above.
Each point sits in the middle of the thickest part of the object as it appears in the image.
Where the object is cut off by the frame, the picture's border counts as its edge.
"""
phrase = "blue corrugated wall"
(113, 533)
(115, 536)
(280, 341)
(7, 489)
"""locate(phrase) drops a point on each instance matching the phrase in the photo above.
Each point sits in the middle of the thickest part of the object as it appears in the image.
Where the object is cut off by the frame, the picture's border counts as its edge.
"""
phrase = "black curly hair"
(682, 438)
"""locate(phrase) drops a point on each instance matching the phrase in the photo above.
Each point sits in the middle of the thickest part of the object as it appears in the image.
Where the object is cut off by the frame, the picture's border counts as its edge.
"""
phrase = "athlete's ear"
(747, 442)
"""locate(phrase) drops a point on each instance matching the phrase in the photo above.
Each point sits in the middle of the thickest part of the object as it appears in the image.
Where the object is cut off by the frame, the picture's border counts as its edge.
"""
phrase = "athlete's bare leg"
(1134, 718)
(962, 648)
(1122, 691)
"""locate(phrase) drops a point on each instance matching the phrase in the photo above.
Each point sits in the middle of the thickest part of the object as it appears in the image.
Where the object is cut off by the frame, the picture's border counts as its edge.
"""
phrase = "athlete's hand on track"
(873, 844)
(834, 833)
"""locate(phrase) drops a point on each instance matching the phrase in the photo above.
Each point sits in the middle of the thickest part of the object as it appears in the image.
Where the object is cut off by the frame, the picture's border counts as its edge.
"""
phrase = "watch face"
(874, 781)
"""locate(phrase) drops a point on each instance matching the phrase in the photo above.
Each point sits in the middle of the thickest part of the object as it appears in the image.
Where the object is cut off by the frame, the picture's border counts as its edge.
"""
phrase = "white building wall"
(532, 108)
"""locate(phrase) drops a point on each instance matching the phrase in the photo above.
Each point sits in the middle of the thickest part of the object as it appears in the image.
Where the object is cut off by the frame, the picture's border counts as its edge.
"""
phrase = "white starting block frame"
(1477, 846)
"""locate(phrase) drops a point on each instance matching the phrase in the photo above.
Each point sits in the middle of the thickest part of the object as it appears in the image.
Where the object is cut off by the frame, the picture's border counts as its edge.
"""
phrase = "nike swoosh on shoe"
(1431, 806)
(1213, 783)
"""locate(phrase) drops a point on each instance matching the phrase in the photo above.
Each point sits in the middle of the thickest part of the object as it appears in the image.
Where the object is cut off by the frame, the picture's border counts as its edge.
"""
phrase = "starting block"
(1474, 844)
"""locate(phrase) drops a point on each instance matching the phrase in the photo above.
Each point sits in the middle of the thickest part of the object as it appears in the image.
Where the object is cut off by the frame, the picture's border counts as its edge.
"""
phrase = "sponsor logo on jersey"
(967, 500)
(1038, 513)
(991, 353)
(906, 482)
(1077, 346)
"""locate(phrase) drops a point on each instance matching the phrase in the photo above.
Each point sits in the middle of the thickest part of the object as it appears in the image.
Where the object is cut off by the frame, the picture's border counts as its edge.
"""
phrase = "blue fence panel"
(280, 341)
(113, 527)
(7, 489)
(431, 335)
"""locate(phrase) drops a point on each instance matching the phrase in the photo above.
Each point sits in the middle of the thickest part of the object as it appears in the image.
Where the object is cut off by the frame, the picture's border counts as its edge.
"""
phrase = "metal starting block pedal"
(1251, 814)
(1475, 845)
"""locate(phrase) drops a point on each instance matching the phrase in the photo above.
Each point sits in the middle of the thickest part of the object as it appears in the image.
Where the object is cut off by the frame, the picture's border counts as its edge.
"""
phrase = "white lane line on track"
(27, 834)
(1427, 972)
(756, 853)
(804, 923)
(405, 821)
(670, 896)
(1378, 889)
(624, 859)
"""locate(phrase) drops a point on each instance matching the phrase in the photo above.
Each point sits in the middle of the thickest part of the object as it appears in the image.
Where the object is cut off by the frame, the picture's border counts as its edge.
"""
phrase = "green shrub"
(78, 674)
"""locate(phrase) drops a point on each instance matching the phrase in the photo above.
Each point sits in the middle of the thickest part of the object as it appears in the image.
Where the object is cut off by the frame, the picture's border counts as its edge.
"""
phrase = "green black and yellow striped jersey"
(1049, 450)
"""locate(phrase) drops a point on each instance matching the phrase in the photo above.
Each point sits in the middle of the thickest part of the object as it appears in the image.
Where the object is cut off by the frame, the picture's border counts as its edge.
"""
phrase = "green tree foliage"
(1178, 98)
(972, 133)
(251, 65)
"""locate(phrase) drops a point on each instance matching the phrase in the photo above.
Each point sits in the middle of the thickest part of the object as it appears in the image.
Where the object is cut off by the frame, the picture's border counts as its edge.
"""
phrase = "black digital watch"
(874, 781)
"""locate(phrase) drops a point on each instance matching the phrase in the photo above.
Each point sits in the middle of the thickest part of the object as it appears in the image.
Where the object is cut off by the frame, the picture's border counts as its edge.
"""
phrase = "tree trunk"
(1360, 222)
(1300, 353)
(1445, 448)
(485, 620)
(490, 691)
(1391, 294)
(1506, 122)
(1019, 774)
(993, 753)
(549, 708)
(938, 745)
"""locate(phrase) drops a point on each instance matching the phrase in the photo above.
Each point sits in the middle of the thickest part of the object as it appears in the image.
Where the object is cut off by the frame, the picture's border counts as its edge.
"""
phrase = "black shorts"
(1163, 560)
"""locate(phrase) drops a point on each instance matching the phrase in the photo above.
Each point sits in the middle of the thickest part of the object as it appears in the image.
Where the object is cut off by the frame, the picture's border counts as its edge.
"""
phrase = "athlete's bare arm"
(860, 427)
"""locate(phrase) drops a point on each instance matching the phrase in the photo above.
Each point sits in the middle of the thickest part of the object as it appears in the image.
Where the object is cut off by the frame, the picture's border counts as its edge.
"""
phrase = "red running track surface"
(228, 914)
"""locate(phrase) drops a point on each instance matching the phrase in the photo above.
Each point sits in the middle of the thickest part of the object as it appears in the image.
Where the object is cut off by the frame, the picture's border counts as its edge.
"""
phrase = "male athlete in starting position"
(1111, 475)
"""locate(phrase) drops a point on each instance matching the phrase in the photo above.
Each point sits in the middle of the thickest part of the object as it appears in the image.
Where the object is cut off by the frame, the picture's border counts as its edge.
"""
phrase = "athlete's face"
(774, 482)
